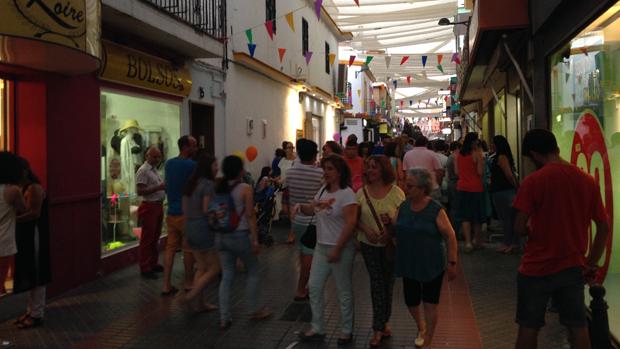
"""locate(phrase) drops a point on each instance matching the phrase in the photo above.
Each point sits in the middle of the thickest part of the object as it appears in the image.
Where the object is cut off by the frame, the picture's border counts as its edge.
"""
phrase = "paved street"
(122, 310)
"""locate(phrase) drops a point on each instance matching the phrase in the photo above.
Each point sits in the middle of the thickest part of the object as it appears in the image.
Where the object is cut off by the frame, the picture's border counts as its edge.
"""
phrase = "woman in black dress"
(32, 261)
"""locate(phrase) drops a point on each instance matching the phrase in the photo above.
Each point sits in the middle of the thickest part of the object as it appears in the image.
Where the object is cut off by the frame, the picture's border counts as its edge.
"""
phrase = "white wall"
(212, 80)
(362, 83)
(245, 14)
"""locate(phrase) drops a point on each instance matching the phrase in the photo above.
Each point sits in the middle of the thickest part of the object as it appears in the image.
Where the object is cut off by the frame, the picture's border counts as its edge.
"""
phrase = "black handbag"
(309, 237)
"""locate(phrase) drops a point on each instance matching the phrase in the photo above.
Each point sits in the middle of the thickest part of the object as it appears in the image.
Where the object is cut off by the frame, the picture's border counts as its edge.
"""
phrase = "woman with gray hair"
(422, 231)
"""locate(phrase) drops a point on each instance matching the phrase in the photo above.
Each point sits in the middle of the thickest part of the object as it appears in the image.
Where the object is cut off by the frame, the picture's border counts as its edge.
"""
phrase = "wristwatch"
(452, 263)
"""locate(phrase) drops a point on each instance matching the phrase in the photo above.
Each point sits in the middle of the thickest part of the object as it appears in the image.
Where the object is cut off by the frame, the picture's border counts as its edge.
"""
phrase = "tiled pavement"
(124, 311)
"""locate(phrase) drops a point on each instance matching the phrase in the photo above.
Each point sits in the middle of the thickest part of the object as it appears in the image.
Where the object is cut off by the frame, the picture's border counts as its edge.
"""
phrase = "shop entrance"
(202, 126)
(313, 129)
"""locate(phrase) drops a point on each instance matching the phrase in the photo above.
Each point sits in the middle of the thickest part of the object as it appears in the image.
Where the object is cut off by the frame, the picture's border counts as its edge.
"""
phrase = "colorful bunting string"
(440, 68)
(351, 60)
(317, 8)
(357, 2)
(368, 59)
(424, 58)
(252, 49)
(404, 59)
(332, 58)
(456, 58)
(409, 80)
(291, 21)
(269, 26)
(308, 56)
(248, 33)
(281, 52)
(439, 59)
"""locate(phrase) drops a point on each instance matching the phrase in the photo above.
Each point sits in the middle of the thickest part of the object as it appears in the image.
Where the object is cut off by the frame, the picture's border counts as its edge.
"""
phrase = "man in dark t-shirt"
(555, 209)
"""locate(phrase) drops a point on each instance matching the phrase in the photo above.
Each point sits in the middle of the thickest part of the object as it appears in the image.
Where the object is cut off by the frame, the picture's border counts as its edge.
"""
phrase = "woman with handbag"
(379, 200)
(422, 232)
(335, 212)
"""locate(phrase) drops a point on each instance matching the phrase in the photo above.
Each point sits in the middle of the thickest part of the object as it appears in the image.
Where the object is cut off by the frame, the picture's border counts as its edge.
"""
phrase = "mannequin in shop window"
(130, 152)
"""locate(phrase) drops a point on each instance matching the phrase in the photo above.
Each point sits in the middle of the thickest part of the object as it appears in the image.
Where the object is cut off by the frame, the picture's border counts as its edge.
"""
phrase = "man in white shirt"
(420, 156)
(151, 187)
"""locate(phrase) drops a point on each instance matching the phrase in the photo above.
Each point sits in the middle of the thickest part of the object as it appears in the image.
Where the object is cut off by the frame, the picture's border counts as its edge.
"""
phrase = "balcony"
(205, 16)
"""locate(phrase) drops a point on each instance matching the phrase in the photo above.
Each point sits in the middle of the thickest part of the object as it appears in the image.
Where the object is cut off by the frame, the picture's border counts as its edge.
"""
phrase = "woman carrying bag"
(379, 201)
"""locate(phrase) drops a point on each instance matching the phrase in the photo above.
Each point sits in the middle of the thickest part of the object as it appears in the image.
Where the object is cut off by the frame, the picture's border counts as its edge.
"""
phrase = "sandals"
(20, 319)
(173, 290)
(30, 322)
(376, 339)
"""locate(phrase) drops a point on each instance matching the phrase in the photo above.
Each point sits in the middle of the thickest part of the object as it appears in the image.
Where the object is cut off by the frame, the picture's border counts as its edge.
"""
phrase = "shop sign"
(130, 67)
(589, 153)
(58, 22)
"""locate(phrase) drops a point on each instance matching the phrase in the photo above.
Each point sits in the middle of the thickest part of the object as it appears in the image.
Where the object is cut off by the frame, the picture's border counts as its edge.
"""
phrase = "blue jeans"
(230, 247)
(343, 277)
(503, 205)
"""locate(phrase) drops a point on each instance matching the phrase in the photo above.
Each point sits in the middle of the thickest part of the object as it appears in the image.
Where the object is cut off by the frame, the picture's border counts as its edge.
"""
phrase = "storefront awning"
(51, 36)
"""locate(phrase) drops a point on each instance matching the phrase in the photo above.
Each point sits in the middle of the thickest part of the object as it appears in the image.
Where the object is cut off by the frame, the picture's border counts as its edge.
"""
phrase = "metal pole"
(519, 71)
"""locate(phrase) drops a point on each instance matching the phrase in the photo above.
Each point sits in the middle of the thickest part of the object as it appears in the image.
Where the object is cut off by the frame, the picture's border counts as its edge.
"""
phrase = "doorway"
(202, 126)
(313, 128)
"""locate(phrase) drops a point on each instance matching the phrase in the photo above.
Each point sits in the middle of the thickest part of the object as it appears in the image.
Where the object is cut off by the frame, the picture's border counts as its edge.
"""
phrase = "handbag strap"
(313, 212)
(372, 210)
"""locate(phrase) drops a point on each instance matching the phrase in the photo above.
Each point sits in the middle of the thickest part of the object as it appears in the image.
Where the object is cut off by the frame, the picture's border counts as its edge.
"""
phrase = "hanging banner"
(281, 52)
(404, 59)
(130, 67)
(332, 58)
(388, 59)
(308, 56)
(252, 49)
(368, 59)
(248, 33)
(291, 21)
(440, 68)
(424, 58)
(317, 8)
(351, 60)
(269, 26)
(439, 59)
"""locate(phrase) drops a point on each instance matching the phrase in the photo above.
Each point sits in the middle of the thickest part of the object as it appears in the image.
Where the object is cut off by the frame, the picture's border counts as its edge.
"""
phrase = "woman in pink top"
(469, 168)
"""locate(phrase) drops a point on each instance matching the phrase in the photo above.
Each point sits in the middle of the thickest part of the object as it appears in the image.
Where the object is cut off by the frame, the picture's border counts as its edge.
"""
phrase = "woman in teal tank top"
(422, 232)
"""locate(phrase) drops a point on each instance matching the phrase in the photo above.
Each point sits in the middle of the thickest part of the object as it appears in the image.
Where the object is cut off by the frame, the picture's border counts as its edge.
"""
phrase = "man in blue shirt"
(177, 171)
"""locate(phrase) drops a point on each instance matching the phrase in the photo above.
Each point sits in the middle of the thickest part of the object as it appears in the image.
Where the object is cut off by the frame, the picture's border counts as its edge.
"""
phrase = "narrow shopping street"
(121, 310)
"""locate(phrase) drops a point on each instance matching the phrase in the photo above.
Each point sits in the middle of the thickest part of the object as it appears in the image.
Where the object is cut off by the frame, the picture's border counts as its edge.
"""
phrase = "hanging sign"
(130, 67)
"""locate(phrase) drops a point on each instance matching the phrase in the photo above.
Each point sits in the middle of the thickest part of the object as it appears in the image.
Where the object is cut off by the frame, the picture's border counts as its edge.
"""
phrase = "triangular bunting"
(281, 52)
(440, 68)
(401, 103)
(351, 60)
(424, 58)
(404, 59)
(248, 33)
(388, 59)
(368, 59)
(308, 56)
(290, 20)
(439, 59)
(332, 58)
(359, 93)
(584, 50)
(357, 2)
(456, 58)
(317, 8)
(409, 80)
(395, 82)
(269, 26)
(410, 102)
(252, 48)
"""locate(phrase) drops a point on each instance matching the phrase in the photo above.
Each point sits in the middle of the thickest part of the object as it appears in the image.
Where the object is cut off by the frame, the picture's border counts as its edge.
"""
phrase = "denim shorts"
(199, 237)
(566, 288)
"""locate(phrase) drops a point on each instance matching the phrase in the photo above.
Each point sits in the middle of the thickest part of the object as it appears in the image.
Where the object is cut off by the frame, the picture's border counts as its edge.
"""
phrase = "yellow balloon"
(239, 154)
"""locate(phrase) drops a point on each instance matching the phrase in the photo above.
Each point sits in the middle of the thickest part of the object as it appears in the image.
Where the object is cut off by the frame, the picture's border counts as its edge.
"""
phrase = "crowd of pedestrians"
(401, 204)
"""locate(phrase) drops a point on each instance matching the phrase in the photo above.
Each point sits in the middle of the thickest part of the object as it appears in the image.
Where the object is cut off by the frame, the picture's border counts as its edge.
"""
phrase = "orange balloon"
(251, 153)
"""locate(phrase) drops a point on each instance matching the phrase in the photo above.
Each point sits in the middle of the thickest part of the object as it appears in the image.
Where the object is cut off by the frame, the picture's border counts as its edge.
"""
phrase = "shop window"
(304, 37)
(270, 6)
(129, 125)
(584, 76)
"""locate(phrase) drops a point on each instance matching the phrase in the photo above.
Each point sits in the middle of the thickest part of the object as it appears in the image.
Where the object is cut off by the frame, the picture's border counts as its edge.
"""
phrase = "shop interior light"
(446, 131)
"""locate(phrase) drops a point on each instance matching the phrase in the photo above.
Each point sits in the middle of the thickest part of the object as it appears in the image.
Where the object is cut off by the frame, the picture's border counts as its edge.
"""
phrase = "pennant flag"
(410, 102)
(409, 79)
(317, 8)
(383, 104)
(388, 59)
(248, 33)
(252, 48)
(368, 59)
(584, 50)
(351, 60)
(332, 58)
(359, 93)
(357, 2)
(424, 61)
(440, 68)
(567, 76)
(308, 56)
(281, 52)
(290, 20)
(401, 103)
(395, 82)
(456, 58)
(269, 26)
(439, 59)
(445, 99)
(404, 59)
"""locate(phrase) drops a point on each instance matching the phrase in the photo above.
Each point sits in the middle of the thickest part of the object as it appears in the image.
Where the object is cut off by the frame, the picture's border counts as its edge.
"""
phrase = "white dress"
(8, 246)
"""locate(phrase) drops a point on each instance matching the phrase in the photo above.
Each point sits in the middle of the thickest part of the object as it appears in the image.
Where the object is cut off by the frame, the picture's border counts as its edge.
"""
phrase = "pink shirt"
(422, 157)
(356, 165)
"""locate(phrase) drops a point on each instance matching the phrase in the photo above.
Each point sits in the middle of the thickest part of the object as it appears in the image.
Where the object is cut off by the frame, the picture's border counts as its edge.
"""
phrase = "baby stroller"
(265, 200)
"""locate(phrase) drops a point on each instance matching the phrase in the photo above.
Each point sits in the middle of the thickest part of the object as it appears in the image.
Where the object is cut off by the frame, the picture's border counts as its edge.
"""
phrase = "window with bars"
(270, 5)
(304, 37)
(327, 66)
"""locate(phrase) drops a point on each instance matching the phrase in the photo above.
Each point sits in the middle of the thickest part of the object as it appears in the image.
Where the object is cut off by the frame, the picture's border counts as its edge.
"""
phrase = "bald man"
(151, 187)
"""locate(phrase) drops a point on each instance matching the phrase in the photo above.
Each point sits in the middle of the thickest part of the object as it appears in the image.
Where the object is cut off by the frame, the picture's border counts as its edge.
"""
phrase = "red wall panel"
(30, 126)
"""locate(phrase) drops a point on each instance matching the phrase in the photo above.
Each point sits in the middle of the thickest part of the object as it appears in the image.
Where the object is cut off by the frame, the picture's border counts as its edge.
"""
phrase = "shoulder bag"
(390, 249)
(309, 237)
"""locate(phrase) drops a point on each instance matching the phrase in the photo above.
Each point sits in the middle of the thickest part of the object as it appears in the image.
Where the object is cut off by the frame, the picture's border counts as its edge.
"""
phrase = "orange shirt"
(469, 179)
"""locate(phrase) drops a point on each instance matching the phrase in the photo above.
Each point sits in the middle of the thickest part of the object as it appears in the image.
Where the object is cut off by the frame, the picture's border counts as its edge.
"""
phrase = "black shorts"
(416, 291)
(565, 287)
